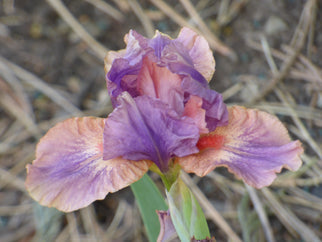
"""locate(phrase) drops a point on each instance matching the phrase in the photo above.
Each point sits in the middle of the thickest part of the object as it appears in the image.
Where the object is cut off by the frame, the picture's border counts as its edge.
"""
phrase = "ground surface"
(269, 57)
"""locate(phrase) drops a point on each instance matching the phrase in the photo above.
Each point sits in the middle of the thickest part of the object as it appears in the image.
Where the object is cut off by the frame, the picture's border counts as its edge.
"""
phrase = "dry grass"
(40, 87)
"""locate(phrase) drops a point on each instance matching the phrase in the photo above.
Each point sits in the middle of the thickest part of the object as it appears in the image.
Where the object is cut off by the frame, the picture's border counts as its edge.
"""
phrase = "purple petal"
(158, 42)
(199, 51)
(69, 171)
(167, 229)
(161, 49)
(254, 145)
(147, 129)
(123, 67)
(176, 57)
(124, 78)
(182, 58)
(216, 110)
(159, 82)
(136, 47)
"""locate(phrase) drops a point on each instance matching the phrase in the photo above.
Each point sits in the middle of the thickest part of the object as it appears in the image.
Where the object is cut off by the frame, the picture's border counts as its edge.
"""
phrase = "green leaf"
(149, 200)
(186, 213)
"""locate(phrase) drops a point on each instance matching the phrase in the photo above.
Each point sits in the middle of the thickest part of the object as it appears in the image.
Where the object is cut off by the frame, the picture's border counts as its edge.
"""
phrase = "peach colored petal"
(161, 83)
(254, 146)
(69, 171)
(199, 51)
(194, 110)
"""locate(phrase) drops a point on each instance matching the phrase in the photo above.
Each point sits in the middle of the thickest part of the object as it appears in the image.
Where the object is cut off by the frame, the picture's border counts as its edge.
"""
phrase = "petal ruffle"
(170, 70)
(161, 83)
(158, 42)
(194, 110)
(254, 145)
(212, 102)
(122, 67)
(176, 57)
(69, 171)
(190, 58)
(147, 129)
(199, 51)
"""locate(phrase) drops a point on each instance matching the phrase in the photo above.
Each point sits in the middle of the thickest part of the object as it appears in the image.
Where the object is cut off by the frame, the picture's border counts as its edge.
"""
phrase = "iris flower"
(164, 114)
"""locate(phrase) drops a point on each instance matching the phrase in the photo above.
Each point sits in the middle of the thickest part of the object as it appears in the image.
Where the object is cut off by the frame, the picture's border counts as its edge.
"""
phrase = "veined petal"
(254, 146)
(145, 128)
(69, 171)
(199, 51)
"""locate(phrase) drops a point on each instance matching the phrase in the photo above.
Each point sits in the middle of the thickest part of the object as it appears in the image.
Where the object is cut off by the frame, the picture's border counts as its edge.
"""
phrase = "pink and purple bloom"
(165, 114)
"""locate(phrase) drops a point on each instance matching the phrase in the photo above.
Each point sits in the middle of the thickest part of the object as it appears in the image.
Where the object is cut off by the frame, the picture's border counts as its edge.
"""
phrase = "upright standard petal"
(158, 42)
(194, 110)
(169, 70)
(145, 128)
(122, 67)
(199, 51)
(212, 103)
(159, 82)
(69, 171)
(254, 145)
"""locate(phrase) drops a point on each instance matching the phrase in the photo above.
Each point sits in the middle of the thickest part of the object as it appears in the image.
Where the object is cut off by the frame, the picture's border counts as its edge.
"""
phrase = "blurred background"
(268, 56)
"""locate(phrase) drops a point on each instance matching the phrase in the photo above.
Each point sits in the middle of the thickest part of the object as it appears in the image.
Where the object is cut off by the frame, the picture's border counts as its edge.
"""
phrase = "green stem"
(169, 177)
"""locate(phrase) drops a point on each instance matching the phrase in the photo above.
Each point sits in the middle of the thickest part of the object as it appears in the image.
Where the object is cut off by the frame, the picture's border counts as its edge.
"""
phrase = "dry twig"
(290, 221)
(61, 9)
(40, 85)
(261, 213)
(145, 21)
(108, 9)
(298, 45)
(215, 43)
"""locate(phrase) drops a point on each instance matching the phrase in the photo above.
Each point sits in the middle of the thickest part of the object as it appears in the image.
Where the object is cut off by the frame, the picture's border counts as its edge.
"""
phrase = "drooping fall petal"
(147, 129)
(254, 146)
(69, 171)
